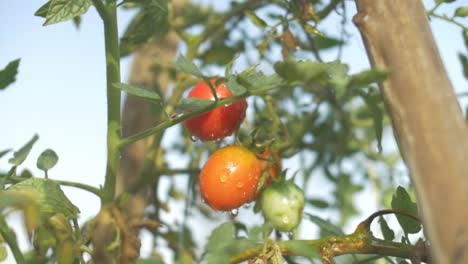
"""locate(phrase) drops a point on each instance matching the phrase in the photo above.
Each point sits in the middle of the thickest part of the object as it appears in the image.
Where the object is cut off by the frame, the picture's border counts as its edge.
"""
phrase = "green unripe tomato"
(282, 205)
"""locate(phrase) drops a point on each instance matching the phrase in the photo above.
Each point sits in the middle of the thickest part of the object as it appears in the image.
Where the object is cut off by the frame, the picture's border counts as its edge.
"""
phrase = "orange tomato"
(229, 178)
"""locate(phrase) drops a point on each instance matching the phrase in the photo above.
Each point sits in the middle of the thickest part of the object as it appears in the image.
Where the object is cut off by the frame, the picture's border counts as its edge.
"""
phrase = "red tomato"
(217, 123)
(229, 178)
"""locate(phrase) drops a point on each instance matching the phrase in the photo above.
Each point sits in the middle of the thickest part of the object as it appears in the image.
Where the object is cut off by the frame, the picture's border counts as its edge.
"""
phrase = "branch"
(101, 9)
(360, 242)
(426, 117)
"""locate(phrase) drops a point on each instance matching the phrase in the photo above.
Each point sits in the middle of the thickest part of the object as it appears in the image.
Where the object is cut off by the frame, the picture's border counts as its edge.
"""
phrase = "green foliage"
(325, 42)
(222, 244)
(377, 113)
(55, 11)
(8, 74)
(387, 232)
(151, 22)
(183, 64)
(444, 1)
(20, 155)
(49, 197)
(194, 104)
(326, 227)
(47, 160)
(218, 55)
(401, 201)
(4, 152)
(461, 12)
(150, 96)
(257, 21)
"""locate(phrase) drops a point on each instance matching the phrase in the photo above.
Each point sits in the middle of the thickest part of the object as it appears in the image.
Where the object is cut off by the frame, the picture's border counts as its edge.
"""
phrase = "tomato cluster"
(231, 175)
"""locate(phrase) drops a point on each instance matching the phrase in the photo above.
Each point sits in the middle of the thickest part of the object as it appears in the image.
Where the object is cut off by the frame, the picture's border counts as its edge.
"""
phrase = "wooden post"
(426, 117)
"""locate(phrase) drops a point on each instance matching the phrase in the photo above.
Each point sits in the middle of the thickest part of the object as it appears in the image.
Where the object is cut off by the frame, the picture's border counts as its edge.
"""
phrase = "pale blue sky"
(60, 88)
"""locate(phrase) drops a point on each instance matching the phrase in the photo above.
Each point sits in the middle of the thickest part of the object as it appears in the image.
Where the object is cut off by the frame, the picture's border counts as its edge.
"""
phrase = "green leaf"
(194, 104)
(387, 232)
(151, 22)
(218, 55)
(234, 87)
(77, 22)
(312, 30)
(339, 78)
(367, 77)
(222, 244)
(319, 203)
(326, 227)
(377, 115)
(187, 66)
(8, 74)
(256, 82)
(304, 71)
(401, 201)
(217, 242)
(47, 160)
(4, 152)
(20, 155)
(257, 21)
(461, 11)
(42, 11)
(140, 92)
(49, 197)
(444, 1)
(324, 42)
(62, 10)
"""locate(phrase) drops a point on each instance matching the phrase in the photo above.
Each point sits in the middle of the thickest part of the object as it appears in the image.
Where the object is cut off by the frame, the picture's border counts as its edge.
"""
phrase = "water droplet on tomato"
(194, 138)
(234, 212)
(223, 178)
(285, 219)
(239, 185)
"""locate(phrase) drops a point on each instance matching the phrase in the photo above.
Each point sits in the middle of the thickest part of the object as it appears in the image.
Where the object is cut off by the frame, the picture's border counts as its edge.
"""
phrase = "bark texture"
(426, 117)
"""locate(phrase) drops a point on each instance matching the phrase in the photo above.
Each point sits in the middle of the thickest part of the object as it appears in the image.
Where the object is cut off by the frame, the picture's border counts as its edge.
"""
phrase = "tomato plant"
(229, 178)
(217, 123)
(327, 120)
(282, 205)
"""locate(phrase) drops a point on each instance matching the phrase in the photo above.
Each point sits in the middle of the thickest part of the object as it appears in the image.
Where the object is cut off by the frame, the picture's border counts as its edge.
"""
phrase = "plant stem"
(7, 176)
(113, 100)
(10, 239)
(448, 19)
